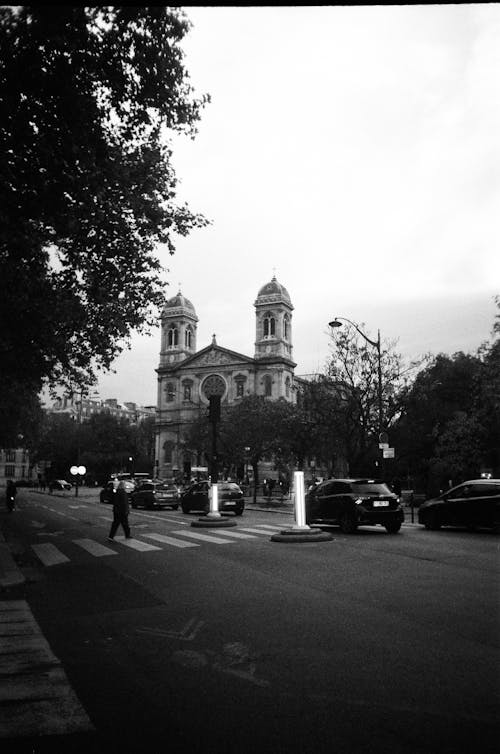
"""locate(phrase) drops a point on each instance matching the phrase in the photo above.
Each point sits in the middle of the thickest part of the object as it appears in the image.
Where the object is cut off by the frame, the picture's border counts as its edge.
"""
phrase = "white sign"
(383, 445)
(389, 453)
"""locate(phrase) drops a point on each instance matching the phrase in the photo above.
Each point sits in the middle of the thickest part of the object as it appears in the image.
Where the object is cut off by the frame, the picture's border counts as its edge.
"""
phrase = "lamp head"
(335, 323)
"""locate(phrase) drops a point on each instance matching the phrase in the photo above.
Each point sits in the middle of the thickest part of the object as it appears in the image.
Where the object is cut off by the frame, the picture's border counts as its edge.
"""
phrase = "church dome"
(273, 292)
(177, 302)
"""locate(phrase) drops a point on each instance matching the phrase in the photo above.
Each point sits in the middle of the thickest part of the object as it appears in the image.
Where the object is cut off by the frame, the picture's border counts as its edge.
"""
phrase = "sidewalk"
(10, 574)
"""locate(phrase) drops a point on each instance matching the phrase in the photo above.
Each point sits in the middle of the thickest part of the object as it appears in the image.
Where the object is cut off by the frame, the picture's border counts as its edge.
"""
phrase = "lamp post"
(375, 344)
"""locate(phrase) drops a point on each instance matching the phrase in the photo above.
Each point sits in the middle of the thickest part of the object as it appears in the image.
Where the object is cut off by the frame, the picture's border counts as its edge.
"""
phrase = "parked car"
(230, 497)
(155, 495)
(107, 492)
(472, 504)
(350, 503)
(61, 484)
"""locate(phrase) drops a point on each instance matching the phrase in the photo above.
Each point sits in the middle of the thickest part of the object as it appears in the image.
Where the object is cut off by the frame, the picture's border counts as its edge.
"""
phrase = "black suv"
(354, 502)
(230, 498)
(475, 503)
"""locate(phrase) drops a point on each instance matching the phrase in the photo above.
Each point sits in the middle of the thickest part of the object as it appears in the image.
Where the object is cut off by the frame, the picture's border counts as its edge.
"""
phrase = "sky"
(354, 153)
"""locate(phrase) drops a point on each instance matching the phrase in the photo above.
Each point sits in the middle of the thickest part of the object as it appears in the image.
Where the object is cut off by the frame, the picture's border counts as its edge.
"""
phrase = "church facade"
(188, 377)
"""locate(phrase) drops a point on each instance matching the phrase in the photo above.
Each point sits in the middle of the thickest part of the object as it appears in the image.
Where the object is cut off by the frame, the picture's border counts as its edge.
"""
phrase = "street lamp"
(375, 344)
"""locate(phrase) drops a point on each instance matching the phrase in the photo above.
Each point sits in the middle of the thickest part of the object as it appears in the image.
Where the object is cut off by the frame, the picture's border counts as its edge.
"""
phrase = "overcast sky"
(353, 152)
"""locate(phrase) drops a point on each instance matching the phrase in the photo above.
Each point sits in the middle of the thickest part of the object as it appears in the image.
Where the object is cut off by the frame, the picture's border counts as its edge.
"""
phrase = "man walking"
(120, 511)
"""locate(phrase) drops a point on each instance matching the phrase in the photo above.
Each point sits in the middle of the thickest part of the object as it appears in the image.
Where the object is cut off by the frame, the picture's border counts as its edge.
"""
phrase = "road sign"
(383, 445)
(389, 453)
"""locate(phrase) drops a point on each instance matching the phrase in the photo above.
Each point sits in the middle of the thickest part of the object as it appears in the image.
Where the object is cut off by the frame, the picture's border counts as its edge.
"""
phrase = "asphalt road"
(367, 643)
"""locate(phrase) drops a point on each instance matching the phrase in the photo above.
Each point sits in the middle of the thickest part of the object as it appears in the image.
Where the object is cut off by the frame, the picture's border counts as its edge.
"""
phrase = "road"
(188, 640)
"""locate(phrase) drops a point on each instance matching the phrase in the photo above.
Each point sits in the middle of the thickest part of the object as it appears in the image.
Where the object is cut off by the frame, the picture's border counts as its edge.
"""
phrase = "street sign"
(389, 453)
(383, 445)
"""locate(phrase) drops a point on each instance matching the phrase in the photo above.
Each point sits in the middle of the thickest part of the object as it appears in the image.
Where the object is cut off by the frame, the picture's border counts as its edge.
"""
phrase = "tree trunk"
(255, 467)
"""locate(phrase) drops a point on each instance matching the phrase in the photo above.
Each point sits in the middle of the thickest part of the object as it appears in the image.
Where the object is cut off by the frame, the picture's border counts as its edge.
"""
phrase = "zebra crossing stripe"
(49, 554)
(235, 534)
(169, 540)
(136, 544)
(257, 531)
(269, 526)
(95, 548)
(202, 537)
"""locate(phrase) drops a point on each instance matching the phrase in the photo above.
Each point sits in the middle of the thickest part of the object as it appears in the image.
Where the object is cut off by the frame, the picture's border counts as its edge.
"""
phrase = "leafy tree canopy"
(88, 97)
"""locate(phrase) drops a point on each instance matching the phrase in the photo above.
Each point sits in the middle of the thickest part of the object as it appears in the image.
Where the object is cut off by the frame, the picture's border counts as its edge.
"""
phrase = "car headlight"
(359, 501)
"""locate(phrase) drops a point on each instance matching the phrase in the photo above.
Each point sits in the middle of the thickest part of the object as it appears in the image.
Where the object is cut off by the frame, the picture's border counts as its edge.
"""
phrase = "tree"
(259, 424)
(354, 369)
(89, 96)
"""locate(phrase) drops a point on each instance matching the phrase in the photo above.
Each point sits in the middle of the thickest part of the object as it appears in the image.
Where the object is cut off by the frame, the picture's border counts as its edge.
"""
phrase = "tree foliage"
(89, 96)
(353, 369)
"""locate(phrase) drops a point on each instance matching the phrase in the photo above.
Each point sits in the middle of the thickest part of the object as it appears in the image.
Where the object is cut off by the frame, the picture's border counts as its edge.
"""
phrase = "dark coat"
(120, 502)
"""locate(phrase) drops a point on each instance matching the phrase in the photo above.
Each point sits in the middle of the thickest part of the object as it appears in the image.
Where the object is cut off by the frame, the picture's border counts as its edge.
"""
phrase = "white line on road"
(49, 555)
(257, 531)
(202, 537)
(235, 534)
(136, 544)
(94, 548)
(169, 540)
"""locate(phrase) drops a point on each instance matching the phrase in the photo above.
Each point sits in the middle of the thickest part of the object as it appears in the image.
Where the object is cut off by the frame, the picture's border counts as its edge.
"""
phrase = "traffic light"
(214, 410)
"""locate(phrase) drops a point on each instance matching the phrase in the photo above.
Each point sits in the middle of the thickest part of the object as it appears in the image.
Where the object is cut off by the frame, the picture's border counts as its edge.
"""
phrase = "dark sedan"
(155, 495)
(230, 497)
(350, 503)
(473, 504)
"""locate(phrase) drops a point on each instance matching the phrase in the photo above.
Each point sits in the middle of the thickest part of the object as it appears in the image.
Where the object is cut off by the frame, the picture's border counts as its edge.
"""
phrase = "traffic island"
(213, 519)
(302, 534)
(216, 522)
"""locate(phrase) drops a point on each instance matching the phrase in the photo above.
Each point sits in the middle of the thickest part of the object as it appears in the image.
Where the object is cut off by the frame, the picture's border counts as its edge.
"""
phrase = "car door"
(484, 499)
(456, 504)
(322, 500)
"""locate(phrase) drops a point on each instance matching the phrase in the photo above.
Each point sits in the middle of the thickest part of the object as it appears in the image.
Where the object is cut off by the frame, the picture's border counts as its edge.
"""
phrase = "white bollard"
(213, 498)
(299, 500)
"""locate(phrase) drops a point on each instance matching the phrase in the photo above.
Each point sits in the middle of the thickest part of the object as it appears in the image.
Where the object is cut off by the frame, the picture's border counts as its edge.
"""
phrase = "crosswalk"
(50, 555)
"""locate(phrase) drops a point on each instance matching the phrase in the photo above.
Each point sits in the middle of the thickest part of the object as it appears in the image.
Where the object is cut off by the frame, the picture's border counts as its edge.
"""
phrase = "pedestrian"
(10, 495)
(120, 511)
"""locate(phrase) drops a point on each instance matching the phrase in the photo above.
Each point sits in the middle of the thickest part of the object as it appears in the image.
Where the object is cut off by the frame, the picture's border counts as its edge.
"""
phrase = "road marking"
(269, 526)
(136, 544)
(202, 537)
(235, 534)
(187, 633)
(169, 540)
(49, 555)
(95, 548)
(38, 525)
(257, 531)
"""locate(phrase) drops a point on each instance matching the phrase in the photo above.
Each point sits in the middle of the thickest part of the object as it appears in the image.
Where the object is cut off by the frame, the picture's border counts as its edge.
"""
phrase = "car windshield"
(370, 488)
(169, 487)
(230, 487)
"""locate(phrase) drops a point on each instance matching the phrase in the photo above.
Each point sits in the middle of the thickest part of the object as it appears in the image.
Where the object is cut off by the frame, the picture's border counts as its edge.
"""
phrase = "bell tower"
(178, 330)
(273, 322)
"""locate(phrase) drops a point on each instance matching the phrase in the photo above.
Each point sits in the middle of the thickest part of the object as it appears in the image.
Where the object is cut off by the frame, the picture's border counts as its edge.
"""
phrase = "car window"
(147, 487)
(484, 490)
(340, 488)
(325, 488)
(370, 488)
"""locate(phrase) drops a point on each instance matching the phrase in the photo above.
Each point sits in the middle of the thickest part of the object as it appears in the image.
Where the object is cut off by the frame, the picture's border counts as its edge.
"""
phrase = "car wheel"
(133, 504)
(186, 508)
(174, 507)
(348, 523)
(393, 528)
(238, 511)
(432, 521)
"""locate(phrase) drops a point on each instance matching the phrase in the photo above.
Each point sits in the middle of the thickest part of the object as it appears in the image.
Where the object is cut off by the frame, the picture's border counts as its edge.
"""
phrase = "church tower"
(178, 330)
(273, 322)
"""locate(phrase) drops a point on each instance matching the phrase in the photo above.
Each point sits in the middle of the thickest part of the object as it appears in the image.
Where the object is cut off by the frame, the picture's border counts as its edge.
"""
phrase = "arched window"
(286, 327)
(188, 338)
(287, 387)
(169, 392)
(269, 325)
(173, 336)
(187, 392)
(268, 385)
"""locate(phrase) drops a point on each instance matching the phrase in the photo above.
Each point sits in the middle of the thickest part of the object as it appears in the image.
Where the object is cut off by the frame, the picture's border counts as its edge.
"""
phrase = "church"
(188, 377)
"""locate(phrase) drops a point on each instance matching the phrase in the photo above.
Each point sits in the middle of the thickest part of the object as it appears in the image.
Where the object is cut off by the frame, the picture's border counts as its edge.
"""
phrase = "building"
(82, 408)
(188, 377)
(14, 464)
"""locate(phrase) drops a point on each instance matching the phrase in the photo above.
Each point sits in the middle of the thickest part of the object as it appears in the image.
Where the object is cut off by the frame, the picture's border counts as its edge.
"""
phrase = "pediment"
(214, 356)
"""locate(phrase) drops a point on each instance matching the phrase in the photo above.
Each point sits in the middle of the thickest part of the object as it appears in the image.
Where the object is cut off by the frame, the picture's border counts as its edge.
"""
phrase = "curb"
(10, 573)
